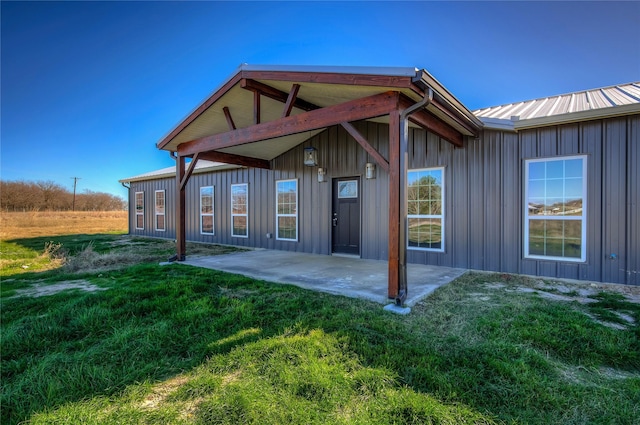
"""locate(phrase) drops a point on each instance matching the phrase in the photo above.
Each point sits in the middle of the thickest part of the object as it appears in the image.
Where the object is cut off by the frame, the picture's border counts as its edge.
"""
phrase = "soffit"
(320, 87)
(239, 102)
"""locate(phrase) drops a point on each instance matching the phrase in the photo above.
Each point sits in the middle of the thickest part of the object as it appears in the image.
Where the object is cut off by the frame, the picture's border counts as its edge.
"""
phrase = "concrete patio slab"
(348, 276)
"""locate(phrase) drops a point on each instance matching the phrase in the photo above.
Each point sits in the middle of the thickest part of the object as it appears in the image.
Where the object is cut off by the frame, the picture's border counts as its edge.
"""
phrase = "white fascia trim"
(577, 116)
(498, 124)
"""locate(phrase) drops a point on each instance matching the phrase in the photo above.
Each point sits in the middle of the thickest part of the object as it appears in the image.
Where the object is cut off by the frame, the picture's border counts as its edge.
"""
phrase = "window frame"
(528, 218)
(440, 216)
(163, 213)
(211, 214)
(246, 210)
(139, 212)
(278, 215)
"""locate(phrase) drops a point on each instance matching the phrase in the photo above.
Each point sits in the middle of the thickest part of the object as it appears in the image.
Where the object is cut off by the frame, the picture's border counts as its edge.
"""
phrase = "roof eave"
(171, 173)
(237, 75)
(424, 79)
(591, 114)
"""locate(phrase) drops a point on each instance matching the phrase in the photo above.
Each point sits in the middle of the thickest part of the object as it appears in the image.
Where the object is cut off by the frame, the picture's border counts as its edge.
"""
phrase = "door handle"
(334, 221)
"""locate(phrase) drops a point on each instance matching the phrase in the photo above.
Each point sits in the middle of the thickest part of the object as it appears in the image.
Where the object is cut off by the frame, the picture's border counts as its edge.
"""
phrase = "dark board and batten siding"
(338, 153)
(483, 197)
(149, 188)
(485, 190)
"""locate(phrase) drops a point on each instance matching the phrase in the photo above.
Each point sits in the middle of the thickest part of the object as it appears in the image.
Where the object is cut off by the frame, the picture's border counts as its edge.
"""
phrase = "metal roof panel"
(561, 108)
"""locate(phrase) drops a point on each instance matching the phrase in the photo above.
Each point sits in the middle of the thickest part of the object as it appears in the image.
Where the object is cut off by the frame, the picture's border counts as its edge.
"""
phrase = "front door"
(345, 219)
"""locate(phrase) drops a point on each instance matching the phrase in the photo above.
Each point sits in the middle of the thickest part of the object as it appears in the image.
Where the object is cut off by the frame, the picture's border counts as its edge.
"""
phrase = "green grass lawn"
(179, 344)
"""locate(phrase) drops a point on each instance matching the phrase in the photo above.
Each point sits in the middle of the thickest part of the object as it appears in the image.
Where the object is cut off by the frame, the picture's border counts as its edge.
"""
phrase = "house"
(321, 159)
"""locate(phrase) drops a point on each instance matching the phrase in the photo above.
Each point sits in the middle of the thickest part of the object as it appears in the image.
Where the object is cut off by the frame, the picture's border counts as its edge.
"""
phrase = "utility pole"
(75, 182)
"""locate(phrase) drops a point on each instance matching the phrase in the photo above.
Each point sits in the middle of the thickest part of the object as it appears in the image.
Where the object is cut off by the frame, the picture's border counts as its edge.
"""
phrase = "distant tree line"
(49, 196)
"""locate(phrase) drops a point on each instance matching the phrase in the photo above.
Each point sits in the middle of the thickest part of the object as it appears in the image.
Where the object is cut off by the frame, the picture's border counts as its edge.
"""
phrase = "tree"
(424, 197)
(47, 195)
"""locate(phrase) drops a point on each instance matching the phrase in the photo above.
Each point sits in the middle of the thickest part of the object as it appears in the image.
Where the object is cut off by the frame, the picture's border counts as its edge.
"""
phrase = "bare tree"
(47, 195)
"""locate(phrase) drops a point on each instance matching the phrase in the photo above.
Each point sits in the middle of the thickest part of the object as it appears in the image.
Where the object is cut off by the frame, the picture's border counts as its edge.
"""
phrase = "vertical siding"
(492, 179)
(614, 200)
(590, 134)
(477, 209)
(510, 246)
(633, 202)
(459, 195)
(483, 197)
(149, 187)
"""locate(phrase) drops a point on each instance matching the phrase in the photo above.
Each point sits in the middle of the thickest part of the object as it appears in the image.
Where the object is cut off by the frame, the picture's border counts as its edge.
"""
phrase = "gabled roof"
(202, 166)
(571, 107)
(319, 87)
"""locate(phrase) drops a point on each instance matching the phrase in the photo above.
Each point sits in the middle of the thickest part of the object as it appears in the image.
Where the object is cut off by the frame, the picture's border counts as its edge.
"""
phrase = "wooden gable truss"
(392, 101)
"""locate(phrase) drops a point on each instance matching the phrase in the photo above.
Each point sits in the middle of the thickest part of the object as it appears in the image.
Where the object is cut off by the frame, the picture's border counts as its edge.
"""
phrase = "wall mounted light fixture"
(370, 171)
(310, 157)
(321, 173)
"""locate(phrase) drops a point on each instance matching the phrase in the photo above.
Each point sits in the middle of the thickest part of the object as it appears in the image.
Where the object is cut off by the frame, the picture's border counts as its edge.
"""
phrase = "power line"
(75, 182)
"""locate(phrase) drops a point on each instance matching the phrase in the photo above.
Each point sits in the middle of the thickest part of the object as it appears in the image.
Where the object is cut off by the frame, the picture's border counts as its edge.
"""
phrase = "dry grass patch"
(41, 289)
(53, 223)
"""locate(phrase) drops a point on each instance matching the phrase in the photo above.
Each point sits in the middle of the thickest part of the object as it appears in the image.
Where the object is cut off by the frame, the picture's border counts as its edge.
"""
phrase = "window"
(554, 213)
(160, 210)
(425, 209)
(206, 210)
(239, 207)
(287, 210)
(140, 210)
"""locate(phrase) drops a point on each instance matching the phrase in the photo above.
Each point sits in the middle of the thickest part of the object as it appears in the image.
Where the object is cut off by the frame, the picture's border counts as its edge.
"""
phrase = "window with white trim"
(555, 199)
(239, 208)
(159, 213)
(140, 210)
(425, 209)
(206, 210)
(287, 210)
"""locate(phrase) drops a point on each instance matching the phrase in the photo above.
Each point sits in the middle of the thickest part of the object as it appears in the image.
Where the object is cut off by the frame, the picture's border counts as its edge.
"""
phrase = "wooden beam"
(256, 107)
(187, 174)
(354, 110)
(382, 162)
(229, 158)
(430, 122)
(181, 241)
(275, 94)
(394, 204)
(288, 105)
(227, 115)
(195, 114)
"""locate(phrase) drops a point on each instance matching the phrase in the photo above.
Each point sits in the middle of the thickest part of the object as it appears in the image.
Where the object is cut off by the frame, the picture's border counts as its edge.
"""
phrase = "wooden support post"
(181, 241)
(256, 107)
(189, 171)
(288, 106)
(227, 115)
(394, 203)
(379, 159)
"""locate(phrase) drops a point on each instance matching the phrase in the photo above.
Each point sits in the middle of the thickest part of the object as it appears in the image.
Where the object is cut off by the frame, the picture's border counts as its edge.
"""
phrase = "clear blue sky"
(88, 88)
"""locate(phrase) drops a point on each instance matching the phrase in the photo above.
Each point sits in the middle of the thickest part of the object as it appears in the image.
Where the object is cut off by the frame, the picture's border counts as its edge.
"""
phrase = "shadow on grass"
(171, 343)
(154, 323)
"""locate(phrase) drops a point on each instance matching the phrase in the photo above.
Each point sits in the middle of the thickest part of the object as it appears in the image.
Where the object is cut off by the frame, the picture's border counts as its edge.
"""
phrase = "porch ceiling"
(320, 89)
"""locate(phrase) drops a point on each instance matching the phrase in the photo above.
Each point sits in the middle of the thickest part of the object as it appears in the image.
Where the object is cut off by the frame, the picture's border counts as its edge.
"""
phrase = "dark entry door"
(345, 218)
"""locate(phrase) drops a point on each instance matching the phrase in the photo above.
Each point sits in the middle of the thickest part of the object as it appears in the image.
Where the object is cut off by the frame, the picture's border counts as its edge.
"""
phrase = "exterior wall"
(483, 197)
(337, 152)
(340, 155)
(149, 187)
